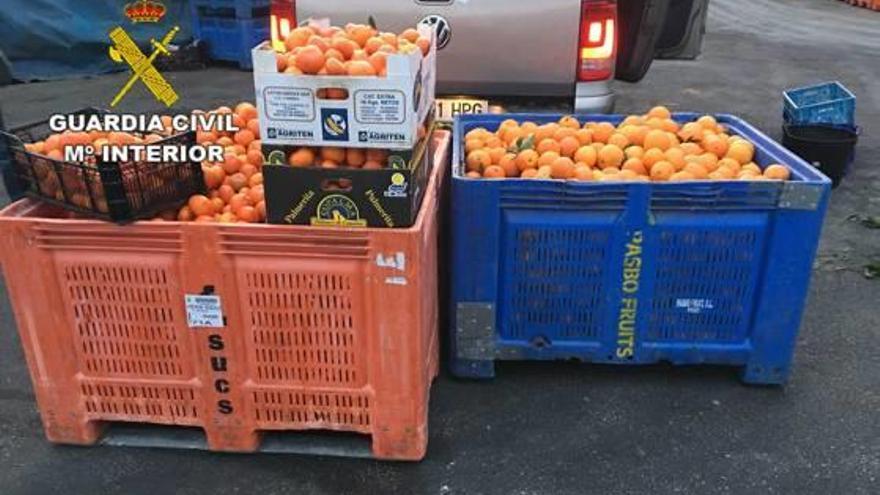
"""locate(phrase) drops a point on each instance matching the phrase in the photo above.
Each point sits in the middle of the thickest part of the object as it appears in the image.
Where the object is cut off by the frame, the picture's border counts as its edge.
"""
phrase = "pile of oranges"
(83, 184)
(235, 185)
(355, 50)
(649, 147)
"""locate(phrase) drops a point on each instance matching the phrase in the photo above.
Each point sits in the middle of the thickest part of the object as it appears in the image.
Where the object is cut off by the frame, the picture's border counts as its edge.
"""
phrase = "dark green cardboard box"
(348, 197)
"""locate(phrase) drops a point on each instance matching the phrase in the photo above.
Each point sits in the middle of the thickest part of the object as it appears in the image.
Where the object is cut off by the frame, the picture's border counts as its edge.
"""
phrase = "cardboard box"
(345, 196)
(377, 112)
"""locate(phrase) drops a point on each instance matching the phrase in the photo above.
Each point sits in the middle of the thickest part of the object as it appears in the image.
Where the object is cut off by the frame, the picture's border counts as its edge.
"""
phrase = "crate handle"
(341, 184)
(332, 94)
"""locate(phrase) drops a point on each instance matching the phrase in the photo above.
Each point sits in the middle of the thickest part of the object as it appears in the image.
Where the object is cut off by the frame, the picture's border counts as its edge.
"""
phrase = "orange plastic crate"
(328, 329)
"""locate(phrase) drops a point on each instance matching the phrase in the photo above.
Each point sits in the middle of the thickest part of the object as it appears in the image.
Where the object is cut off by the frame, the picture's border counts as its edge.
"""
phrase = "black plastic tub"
(830, 149)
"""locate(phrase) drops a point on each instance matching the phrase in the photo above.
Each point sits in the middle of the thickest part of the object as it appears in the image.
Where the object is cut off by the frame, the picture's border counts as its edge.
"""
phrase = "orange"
(335, 67)
(246, 111)
(472, 144)
(548, 144)
(602, 132)
(237, 181)
(751, 166)
(634, 152)
(691, 131)
(716, 145)
(355, 157)
(303, 157)
(495, 154)
(570, 122)
(248, 170)
(725, 172)
(563, 132)
(478, 160)
(185, 214)
(584, 136)
(361, 68)
(669, 125)
(244, 137)
(777, 172)
(547, 158)
(359, 55)
(373, 44)
(657, 139)
(298, 37)
(424, 44)
(544, 172)
(344, 46)
(586, 155)
(708, 160)
(659, 112)
(697, 170)
(333, 54)
(225, 192)
(247, 214)
(493, 172)
(582, 173)
(662, 170)
(389, 39)
(255, 180)
(410, 35)
(635, 133)
(332, 153)
(508, 163)
(741, 151)
(360, 34)
(310, 59)
(255, 158)
(473, 175)
(510, 134)
(653, 156)
(562, 168)
(691, 149)
(529, 173)
(231, 164)
(681, 176)
(238, 202)
(527, 159)
(253, 125)
(708, 122)
(214, 176)
(568, 146)
(379, 61)
(655, 123)
(494, 142)
(619, 140)
(545, 131)
(610, 156)
(675, 156)
(636, 166)
(200, 205)
(626, 175)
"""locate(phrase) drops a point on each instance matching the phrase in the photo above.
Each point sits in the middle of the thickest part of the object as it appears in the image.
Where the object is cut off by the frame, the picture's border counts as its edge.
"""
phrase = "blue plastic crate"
(629, 272)
(239, 9)
(231, 40)
(826, 103)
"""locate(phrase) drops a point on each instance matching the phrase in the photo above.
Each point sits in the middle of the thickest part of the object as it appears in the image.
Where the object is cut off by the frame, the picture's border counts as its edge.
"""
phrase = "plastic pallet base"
(632, 273)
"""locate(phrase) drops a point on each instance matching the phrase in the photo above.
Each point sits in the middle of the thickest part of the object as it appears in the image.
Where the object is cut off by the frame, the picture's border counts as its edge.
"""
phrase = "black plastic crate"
(117, 191)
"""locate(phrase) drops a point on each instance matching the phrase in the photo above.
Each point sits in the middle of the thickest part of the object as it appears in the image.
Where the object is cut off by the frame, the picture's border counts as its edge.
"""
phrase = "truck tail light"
(598, 40)
(282, 19)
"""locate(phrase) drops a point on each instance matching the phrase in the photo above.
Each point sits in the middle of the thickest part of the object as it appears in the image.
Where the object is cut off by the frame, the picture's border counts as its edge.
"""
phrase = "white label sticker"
(380, 107)
(203, 311)
(694, 306)
(289, 104)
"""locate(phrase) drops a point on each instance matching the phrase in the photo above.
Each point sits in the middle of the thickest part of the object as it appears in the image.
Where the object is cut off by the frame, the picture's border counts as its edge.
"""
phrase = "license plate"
(447, 108)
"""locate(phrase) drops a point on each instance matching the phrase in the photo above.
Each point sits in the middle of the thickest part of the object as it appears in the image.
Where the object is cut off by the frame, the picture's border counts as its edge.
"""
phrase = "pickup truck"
(490, 49)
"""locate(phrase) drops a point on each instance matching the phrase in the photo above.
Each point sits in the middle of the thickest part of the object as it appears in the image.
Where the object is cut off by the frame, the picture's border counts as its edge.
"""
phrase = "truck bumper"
(593, 97)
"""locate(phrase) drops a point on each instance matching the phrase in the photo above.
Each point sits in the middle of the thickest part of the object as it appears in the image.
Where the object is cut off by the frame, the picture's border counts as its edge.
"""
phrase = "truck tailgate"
(497, 47)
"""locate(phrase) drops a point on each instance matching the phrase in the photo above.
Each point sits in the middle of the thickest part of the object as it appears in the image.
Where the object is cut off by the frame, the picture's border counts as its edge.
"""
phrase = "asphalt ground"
(542, 428)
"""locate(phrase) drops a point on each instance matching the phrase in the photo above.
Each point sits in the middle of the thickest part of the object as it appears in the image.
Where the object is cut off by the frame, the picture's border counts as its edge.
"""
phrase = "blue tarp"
(59, 39)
